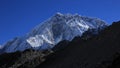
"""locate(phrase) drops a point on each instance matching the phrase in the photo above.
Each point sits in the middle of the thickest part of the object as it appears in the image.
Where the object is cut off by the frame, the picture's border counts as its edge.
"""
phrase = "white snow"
(35, 41)
(1, 46)
(55, 29)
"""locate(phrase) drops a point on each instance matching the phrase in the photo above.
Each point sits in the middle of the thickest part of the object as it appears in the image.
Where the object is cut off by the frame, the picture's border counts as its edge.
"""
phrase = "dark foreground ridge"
(27, 59)
(100, 51)
(88, 51)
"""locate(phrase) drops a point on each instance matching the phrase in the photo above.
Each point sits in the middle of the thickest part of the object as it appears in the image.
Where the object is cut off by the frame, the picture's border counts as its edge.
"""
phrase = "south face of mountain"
(88, 51)
(57, 28)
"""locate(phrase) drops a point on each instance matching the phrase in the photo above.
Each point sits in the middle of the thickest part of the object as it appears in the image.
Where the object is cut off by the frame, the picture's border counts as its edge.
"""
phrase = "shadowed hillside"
(88, 51)
(27, 59)
(94, 52)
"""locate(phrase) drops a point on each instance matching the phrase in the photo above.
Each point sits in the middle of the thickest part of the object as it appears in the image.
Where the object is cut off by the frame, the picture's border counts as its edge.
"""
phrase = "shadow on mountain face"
(88, 51)
(27, 59)
(7, 60)
(95, 52)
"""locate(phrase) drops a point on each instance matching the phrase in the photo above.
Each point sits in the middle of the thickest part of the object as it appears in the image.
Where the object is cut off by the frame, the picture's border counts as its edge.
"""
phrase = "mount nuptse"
(57, 28)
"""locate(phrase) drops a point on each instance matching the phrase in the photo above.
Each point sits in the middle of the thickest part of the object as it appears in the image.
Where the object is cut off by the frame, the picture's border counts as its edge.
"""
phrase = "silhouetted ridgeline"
(100, 51)
(88, 51)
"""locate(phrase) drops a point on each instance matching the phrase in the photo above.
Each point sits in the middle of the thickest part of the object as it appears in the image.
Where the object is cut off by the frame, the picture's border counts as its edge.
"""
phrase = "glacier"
(50, 32)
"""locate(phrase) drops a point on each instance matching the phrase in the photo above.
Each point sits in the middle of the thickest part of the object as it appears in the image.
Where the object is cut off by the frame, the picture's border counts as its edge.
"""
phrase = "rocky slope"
(88, 51)
(57, 28)
(27, 59)
(101, 51)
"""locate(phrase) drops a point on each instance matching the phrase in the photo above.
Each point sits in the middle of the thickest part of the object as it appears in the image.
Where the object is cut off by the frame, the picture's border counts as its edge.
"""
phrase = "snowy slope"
(57, 28)
(1, 47)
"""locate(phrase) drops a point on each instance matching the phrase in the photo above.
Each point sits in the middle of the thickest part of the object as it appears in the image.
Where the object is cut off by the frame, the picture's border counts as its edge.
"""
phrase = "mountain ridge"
(50, 32)
(100, 51)
(88, 51)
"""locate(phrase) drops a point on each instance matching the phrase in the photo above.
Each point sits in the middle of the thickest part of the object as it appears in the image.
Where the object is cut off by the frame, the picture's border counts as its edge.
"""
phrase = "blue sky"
(17, 17)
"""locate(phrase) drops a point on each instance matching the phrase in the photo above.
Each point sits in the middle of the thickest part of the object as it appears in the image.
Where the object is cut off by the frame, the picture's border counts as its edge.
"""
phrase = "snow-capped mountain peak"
(57, 28)
(58, 14)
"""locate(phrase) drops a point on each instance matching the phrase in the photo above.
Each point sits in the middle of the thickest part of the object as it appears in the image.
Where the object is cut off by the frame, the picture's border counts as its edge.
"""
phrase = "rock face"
(100, 51)
(88, 51)
(57, 28)
(27, 59)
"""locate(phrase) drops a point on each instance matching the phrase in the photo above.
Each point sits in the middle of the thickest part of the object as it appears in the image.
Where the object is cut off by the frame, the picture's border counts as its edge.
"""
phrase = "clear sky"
(17, 17)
